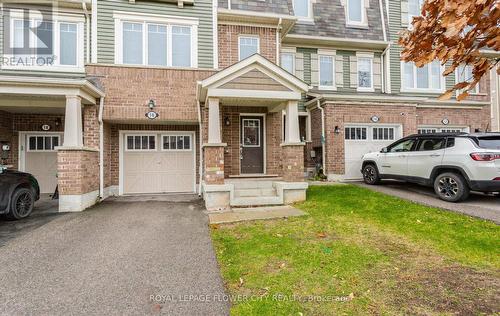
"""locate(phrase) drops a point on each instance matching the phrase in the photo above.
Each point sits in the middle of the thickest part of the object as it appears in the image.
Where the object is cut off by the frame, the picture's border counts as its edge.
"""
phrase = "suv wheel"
(370, 174)
(451, 187)
(21, 204)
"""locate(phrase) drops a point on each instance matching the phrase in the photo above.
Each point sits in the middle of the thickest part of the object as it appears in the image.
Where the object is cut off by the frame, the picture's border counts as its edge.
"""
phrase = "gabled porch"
(251, 155)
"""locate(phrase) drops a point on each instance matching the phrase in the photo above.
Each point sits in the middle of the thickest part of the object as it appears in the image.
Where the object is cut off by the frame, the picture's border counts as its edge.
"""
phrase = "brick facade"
(6, 132)
(228, 42)
(293, 163)
(129, 89)
(77, 171)
(214, 165)
(91, 126)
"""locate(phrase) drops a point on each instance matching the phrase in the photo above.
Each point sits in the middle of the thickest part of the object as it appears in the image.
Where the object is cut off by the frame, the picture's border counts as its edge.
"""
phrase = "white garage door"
(362, 139)
(40, 159)
(159, 163)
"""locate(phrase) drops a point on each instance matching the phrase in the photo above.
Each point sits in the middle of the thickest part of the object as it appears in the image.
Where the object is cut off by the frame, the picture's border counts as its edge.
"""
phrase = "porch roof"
(252, 79)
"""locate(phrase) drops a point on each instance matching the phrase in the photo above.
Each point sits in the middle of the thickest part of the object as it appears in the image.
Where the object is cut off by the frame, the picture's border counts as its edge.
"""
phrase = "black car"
(18, 193)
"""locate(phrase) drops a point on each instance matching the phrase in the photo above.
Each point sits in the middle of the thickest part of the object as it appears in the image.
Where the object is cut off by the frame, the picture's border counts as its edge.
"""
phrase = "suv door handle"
(435, 155)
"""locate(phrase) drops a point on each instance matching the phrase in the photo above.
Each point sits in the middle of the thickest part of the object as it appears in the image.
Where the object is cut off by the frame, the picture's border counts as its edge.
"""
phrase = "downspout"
(384, 61)
(383, 20)
(385, 70)
(93, 41)
(101, 149)
(323, 138)
(87, 26)
(278, 46)
(201, 149)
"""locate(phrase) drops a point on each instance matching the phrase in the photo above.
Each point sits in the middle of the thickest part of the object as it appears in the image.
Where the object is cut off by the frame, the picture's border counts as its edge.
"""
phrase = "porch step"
(256, 201)
(255, 192)
(244, 185)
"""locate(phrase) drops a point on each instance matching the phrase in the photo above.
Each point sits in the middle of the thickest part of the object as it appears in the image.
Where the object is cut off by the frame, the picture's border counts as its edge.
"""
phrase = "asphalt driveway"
(122, 257)
(477, 205)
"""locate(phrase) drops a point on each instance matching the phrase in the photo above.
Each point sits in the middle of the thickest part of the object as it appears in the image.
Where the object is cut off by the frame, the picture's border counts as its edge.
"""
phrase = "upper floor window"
(302, 8)
(288, 62)
(414, 9)
(426, 78)
(464, 73)
(326, 72)
(158, 41)
(355, 12)
(55, 44)
(365, 74)
(248, 46)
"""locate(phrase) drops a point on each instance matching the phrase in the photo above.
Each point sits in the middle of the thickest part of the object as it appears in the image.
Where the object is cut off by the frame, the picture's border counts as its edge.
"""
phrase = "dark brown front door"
(252, 144)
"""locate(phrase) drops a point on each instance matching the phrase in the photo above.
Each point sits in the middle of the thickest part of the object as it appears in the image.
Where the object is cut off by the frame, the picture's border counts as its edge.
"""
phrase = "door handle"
(241, 152)
(435, 155)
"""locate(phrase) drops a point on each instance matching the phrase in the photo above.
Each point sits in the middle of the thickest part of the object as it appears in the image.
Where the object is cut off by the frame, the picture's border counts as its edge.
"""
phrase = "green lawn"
(361, 252)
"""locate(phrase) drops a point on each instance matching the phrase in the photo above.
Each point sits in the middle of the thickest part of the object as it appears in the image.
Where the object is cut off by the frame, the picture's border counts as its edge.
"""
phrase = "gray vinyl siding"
(395, 62)
(202, 10)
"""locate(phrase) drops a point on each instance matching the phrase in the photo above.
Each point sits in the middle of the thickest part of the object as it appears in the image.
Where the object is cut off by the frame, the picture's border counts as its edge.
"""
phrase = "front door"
(252, 144)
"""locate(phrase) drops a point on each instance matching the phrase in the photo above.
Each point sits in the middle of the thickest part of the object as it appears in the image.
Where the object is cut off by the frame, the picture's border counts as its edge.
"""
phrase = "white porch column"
(292, 132)
(214, 136)
(73, 132)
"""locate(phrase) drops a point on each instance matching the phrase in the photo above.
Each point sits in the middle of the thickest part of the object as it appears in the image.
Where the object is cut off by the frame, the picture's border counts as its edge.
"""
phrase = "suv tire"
(21, 204)
(451, 187)
(370, 174)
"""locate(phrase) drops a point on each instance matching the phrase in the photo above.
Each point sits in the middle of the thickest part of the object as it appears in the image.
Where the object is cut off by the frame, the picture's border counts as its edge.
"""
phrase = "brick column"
(214, 164)
(293, 162)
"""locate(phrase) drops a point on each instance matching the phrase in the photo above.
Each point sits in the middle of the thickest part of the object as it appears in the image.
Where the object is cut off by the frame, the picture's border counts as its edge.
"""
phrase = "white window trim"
(28, 149)
(368, 130)
(398, 128)
(141, 135)
(423, 90)
(477, 87)
(145, 20)
(56, 20)
(243, 133)
(310, 16)
(331, 55)
(177, 135)
(371, 57)
(247, 36)
(293, 60)
(394, 128)
(439, 128)
(411, 16)
(364, 18)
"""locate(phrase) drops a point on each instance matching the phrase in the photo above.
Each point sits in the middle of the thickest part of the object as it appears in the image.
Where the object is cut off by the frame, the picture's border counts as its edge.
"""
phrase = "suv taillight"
(485, 156)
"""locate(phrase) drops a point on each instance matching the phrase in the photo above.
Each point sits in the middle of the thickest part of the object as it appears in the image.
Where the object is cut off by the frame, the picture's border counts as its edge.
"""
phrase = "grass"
(361, 252)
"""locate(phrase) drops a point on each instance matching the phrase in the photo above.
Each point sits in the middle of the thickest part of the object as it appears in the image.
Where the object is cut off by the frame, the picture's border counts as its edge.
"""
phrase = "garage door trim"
(159, 147)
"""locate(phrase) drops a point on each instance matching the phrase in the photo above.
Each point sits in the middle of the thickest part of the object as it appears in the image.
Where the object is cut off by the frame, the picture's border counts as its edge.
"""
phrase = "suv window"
(428, 144)
(489, 142)
(450, 142)
(403, 146)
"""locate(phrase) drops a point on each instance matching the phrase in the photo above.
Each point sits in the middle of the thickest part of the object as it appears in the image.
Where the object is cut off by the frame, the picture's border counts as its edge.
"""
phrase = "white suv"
(454, 163)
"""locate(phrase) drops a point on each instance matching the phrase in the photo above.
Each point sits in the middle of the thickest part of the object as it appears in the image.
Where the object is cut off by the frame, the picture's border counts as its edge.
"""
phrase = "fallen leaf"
(241, 282)
(321, 235)
(279, 235)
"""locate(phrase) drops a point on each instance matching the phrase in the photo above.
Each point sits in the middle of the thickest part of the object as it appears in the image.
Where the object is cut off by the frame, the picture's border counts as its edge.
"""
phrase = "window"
(43, 143)
(355, 133)
(431, 144)
(288, 62)
(301, 8)
(141, 142)
(132, 43)
(402, 146)
(181, 50)
(365, 74)
(450, 142)
(156, 41)
(464, 73)
(425, 78)
(251, 132)
(326, 72)
(68, 47)
(355, 14)
(414, 9)
(383, 133)
(157, 45)
(176, 142)
(429, 130)
(248, 46)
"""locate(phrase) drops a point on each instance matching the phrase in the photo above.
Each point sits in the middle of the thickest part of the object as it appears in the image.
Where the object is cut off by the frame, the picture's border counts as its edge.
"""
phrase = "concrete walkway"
(118, 258)
(477, 205)
(256, 213)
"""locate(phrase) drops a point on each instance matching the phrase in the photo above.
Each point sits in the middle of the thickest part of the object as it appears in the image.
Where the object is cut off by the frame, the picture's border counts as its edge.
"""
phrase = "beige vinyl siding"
(202, 10)
(395, 26)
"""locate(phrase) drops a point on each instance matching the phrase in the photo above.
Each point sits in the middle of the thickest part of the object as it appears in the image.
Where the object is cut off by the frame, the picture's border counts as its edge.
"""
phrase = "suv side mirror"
(2, 168)
(383, 150)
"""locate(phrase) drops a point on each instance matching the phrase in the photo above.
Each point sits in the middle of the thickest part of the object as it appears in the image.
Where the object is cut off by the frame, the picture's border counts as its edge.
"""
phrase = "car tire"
(370, 174)
(21, 204)
(451, 187)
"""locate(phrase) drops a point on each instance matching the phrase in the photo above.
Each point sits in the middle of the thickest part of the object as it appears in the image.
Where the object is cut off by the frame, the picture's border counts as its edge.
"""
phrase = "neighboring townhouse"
(495, 100)
(236, 100)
